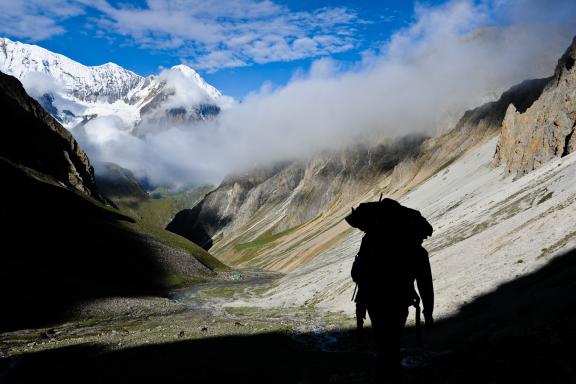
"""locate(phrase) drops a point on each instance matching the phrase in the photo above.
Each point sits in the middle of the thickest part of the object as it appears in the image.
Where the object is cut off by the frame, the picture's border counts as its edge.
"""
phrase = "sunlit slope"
(488, 229)
(500, 209)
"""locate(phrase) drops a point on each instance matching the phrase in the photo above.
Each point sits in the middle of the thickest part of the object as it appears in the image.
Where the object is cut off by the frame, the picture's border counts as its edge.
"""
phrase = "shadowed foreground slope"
(61, 245)
(521, 333)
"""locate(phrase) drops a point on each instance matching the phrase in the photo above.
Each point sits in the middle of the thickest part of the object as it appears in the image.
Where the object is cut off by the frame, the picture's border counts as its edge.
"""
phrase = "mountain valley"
(254, 274)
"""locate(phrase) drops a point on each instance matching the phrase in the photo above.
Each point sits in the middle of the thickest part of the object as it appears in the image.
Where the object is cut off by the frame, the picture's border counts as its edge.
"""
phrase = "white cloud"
(232, 33)
(447, 61)
(39, 83)
(35, 19)
(209, 35)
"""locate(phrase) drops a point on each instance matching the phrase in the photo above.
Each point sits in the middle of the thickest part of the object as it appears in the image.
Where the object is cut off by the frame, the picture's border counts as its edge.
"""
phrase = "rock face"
(288, 195)
(532, 137)
(488, 228)
(284, 216)
(36, 140)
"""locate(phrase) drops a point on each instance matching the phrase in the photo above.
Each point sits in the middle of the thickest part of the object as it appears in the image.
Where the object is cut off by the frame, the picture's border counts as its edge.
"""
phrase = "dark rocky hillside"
(61, 245)
(120, 185)
(33, 138)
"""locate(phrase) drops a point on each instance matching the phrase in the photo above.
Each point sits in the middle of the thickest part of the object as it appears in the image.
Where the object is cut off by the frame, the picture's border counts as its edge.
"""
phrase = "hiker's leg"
(402, 317)
(394, 337)
(387, 336)
(376, 315)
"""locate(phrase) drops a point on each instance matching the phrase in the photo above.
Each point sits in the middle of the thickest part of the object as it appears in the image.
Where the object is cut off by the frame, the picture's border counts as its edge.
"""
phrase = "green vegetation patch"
(177, 241)
(251, 248)
(180, 280)
(162, 205)
(546, 197)
(264, 239)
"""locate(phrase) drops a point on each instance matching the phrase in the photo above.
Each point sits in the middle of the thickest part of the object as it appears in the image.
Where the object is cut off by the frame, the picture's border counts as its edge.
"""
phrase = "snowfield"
(79, 92)
(489, 229)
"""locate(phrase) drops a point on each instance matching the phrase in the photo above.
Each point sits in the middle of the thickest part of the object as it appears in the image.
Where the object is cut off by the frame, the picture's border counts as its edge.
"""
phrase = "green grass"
(175, 241)
(163, 205)
(264, 239)
(157, 212)
(251, 249)
(340, 319)
(179, 280)
(152, 216)
(259, 291)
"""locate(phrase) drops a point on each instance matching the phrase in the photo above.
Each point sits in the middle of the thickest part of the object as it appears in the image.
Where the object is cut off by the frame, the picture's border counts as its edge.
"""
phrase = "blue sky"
(237, 45)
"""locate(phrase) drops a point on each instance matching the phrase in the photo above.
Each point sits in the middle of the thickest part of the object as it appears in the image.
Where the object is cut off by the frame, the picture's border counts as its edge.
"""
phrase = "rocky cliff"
(490, 227)
(288, 195)
(40, 142)
(286, 215)
(532, 137)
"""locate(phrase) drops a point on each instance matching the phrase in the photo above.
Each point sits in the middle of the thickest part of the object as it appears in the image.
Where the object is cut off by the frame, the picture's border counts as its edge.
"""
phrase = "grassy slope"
(159, 210)
(252, 249)
(79, 210)
(151, 217)
(176, 241)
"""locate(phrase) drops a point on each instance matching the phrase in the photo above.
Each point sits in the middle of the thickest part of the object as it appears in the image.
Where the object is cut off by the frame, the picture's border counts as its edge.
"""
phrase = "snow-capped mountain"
(75, 93)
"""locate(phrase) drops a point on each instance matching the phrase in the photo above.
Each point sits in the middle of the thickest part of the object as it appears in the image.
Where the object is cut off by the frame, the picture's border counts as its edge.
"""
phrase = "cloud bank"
(452, 57)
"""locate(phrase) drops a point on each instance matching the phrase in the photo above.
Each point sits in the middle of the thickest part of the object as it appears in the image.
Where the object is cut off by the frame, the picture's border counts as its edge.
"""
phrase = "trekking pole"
(354, 294)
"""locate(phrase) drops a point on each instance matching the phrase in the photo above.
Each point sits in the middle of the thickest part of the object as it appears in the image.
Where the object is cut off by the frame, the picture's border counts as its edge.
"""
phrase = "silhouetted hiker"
(391, 258)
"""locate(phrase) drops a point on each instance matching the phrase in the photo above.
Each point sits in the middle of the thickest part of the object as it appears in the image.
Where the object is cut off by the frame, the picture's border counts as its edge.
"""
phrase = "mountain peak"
(102, 90)
(190, 73)
(185, 70)
(111, 65)
(108, 82)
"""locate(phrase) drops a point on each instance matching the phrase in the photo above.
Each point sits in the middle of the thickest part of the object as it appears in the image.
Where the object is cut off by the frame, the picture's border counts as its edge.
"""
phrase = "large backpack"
(389, 215)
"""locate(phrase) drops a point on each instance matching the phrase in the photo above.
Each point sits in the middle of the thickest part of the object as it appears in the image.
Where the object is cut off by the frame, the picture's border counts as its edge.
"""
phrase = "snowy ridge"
(108, 82)
(74, 92)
